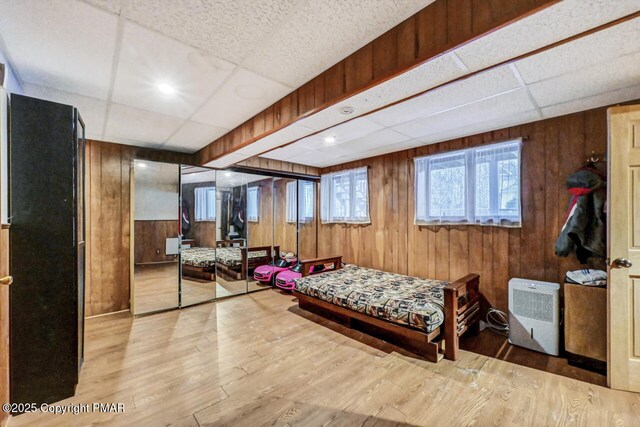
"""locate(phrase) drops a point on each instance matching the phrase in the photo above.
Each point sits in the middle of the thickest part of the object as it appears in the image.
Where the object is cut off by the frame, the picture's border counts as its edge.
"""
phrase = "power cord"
(497, 321)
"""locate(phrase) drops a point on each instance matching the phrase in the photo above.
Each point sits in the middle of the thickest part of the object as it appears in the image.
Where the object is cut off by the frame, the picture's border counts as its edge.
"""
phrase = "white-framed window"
(291, 201)
(345, 197)
(205, 204)
(253, 204)
(478, 185)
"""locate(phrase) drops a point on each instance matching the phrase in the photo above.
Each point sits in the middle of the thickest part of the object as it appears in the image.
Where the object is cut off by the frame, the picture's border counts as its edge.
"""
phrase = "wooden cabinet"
(585, 322)
(46, 301)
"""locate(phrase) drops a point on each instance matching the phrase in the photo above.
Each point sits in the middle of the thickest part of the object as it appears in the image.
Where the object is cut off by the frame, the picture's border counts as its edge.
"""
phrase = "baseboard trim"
(107, 314)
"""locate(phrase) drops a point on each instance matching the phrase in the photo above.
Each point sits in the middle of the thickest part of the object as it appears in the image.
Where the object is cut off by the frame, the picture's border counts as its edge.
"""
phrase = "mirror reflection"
(307, 219)
(260, 232)
(231, 234)
(286, 231)
(155, 236)
(198, 233)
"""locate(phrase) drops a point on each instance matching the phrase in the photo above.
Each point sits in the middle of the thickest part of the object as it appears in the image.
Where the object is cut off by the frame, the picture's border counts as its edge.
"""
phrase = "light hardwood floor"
(258, 360)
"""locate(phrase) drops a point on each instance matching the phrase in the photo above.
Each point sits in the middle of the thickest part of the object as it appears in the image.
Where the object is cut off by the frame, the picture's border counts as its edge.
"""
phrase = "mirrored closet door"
(198, 235)
(307, 219)
(262, 249)
(155, 271)
(231, 234)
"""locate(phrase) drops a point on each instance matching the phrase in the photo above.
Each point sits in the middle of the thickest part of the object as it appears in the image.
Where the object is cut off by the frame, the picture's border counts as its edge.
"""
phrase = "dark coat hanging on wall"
(584, 232)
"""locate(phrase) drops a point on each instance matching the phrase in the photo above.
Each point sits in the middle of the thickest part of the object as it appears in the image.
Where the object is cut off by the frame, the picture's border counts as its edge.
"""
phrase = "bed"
(428, 316)
(201, 262)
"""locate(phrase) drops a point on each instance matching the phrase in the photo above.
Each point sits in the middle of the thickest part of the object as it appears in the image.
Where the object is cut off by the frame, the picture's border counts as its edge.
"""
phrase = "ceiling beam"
(436, 29)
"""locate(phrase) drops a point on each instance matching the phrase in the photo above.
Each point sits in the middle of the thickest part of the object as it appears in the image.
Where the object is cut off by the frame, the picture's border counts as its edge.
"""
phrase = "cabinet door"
(4, 268)
(80, 228)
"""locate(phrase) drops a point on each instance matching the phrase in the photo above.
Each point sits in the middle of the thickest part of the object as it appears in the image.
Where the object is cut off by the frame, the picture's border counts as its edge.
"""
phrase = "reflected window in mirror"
(253, 204)
(291, 202)
(205, 204)
(306, 197)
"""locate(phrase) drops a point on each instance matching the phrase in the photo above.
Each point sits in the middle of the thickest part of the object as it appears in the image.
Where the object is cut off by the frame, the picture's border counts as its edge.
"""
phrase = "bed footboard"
(335, 261)
(461, 312)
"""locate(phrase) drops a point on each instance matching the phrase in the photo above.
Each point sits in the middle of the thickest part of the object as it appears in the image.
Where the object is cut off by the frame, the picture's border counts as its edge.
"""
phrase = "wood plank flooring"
(259, 360)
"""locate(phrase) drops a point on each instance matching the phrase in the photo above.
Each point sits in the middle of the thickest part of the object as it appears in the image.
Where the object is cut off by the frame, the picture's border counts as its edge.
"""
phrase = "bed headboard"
(230, 243)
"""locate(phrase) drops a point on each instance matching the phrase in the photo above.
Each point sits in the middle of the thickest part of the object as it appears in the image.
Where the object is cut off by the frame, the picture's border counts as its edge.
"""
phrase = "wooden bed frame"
(231, 273)
(461, 314)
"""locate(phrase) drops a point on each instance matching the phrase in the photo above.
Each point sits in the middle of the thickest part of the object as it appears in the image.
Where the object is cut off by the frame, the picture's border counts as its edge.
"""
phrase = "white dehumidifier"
(534, 315)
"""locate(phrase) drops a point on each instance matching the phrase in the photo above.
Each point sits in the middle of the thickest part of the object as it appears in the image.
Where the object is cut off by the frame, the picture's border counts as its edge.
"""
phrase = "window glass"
(478, 185)
(345, 197)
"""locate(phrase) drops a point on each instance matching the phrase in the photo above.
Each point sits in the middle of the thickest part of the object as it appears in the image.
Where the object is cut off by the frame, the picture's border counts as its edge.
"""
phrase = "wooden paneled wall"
(261, 231)
(554, 148)
(204, 232)
(279, 165)
(441, 26)
(150, 240)
(108, 221)
(285, 232)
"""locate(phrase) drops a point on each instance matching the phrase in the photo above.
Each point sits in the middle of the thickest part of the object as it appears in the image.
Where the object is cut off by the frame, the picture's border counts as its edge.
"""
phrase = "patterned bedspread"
(207, 257)
(405, 300)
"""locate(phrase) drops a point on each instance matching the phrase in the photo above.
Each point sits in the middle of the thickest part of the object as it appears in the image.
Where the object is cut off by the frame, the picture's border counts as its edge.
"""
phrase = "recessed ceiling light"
(167, 89)
(330, 139)
(347, 110)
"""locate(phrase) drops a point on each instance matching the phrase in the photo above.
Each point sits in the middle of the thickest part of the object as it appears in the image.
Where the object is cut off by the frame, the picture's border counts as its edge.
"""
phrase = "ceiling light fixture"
(346, 110)
(330, 139)
(167, 89)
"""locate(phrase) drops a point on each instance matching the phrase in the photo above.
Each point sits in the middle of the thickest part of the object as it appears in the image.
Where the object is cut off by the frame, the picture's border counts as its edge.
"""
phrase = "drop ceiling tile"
(227, 29)
(192, 136)
(600, 47)
(341, 133)
(385, 138)
(139, 126)
(486, 84)
(508, 103)
(595, 101)
(276, 139)
(606, 77)
(477, 128)
(148, 58)
(320, 160)
(112, 6)
(428, 75)
(226, 161)
(550, 25)
(241, 97)
(320, 33)
(432, 73)
(289, 152)
(67, 46)
(92, 110)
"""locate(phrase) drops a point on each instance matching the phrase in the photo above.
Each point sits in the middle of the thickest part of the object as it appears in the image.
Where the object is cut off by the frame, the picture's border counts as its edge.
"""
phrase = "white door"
(624, 248)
